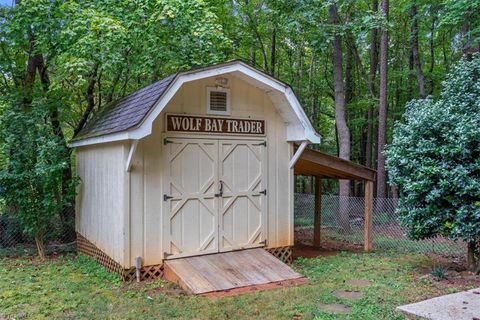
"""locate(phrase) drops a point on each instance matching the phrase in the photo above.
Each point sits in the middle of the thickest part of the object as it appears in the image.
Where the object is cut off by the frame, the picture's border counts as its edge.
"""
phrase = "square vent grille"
(218, 101)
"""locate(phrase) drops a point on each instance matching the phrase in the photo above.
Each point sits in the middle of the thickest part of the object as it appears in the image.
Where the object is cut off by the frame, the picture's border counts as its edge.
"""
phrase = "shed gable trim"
(302, 130)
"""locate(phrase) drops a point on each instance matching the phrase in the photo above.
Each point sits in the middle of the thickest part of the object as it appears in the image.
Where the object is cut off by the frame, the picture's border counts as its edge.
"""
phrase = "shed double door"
(215, 196)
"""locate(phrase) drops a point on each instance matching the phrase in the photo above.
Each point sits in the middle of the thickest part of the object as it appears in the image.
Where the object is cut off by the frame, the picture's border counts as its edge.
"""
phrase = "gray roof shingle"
(127, 112)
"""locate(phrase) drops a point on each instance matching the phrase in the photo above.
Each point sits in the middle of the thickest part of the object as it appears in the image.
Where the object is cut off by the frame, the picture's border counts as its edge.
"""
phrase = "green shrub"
(435, 160)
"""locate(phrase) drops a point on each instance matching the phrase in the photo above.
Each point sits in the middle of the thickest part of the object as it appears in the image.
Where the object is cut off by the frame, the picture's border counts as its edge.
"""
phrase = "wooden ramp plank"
(176, 268)
(244, 268)
(235, 272)
(280, 269)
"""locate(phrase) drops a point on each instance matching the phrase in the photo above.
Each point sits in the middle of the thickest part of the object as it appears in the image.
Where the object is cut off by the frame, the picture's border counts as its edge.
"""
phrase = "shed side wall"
(100, 203)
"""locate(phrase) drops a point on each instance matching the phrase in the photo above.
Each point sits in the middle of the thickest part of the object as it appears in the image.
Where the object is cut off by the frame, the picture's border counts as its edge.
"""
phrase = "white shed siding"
(146, 175)
(146, 201)
(101, 203)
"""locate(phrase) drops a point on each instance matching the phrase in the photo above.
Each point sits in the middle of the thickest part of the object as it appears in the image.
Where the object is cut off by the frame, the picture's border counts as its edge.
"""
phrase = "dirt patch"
(358, 282)
(347, 294)
(335, 308)
(174, 291)
(305, 251)
(462, 280)
(304, 236)
(457, 264)
(456, 275)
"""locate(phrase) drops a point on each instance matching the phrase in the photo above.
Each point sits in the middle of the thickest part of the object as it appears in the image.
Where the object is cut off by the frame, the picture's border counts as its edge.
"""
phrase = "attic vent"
(218, 101)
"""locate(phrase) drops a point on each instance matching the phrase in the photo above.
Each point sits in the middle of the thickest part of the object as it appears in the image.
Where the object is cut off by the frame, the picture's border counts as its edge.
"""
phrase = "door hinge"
(264, 143)
(166, 141)
(165, 197)
(264, 242)
(264, 192)
(166, 255)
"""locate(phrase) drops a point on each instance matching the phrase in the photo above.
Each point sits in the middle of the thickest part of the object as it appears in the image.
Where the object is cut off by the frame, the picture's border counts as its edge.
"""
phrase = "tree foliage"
(435, 159)
(31, 175)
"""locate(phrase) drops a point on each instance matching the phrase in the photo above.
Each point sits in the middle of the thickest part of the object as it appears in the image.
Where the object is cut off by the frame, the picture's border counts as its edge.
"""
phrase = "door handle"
(220, 193)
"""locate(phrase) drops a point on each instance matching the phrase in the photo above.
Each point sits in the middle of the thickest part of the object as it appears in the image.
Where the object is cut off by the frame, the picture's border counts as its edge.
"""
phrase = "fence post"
(318, 212)
(368, 244)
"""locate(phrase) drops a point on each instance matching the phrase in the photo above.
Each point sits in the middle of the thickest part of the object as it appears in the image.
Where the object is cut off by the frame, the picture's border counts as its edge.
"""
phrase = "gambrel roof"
(132, 116)
(127, 112)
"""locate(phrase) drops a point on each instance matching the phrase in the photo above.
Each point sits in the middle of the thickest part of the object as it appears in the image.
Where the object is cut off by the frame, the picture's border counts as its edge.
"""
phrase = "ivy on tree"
(435, 159)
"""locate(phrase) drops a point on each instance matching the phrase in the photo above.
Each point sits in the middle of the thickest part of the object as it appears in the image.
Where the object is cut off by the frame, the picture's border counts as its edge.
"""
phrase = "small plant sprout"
(439, 272)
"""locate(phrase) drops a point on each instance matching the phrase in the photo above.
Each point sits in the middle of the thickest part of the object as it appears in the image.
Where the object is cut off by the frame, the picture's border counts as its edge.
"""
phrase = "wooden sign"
(201, 124)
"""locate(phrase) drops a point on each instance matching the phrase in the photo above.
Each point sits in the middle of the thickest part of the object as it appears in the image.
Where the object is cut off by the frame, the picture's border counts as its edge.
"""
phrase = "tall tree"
(415, 51)
(373, 74)
(273, 52)
(433, 25)
(382, 107)
(340, 113)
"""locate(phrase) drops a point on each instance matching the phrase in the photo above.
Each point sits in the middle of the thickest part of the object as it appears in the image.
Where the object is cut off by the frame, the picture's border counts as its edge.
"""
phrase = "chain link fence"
(338, 231)
(343, 231)
(14, 241)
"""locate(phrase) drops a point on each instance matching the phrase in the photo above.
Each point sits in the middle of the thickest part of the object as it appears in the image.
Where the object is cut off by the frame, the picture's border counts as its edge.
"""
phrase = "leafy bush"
(435, 159)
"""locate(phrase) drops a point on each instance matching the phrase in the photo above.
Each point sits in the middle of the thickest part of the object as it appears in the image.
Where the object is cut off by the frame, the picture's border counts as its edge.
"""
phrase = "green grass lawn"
(77, 287)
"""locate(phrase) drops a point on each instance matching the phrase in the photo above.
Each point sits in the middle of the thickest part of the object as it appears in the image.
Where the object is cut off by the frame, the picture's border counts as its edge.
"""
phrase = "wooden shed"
(197, 163)
(200, 164)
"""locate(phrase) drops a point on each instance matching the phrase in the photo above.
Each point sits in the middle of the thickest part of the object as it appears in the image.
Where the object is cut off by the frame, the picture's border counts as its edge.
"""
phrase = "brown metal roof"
(315, 163)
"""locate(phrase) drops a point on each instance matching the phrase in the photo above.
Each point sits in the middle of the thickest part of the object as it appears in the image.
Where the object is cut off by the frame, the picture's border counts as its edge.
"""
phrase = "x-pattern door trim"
(233, 195)
(173, 209)
(218, 156)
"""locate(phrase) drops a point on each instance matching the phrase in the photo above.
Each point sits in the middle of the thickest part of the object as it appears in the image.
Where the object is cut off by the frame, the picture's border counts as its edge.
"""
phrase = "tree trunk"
(90, 97)
(343, 132)
(349, 82)
(432, 52)
(40, 246)
(253, 60)
(382, 108)
(410, 80)
(473, 256)
(395, 193)
(465, 31)
(415, 51)
(273, 52)
(30, 73)
(373, 73)
(256, 33)
(444, 54)
(67, 214)
(313, 94)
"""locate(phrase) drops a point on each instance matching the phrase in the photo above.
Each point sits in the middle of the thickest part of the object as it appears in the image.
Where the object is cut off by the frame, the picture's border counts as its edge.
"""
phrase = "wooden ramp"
(231, 273)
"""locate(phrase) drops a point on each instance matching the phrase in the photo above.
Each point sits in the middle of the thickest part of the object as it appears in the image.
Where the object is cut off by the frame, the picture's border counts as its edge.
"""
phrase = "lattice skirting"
(146, 273)
(282, 253)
